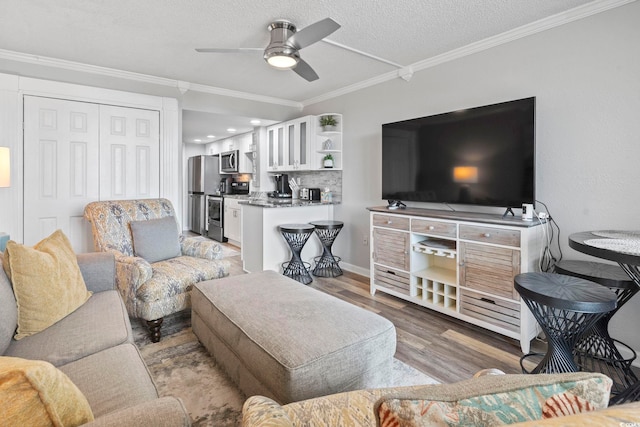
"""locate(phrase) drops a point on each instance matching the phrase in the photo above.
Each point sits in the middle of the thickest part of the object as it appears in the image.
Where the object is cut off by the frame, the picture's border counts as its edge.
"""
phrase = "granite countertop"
(237, 196)
(284, 203)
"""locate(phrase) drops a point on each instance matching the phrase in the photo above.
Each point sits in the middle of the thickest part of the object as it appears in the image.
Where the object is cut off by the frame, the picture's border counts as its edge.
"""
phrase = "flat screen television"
(478, 156)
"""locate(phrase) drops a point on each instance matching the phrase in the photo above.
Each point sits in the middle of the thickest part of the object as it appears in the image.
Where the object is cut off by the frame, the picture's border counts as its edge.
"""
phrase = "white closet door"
(61, 149)
(129, 153)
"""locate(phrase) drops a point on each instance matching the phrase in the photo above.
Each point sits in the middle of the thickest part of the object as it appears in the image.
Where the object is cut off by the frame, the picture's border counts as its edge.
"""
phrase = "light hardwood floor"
(446, 349)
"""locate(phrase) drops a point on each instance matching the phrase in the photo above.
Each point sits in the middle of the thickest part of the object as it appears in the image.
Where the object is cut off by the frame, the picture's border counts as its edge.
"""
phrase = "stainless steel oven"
(215, 220)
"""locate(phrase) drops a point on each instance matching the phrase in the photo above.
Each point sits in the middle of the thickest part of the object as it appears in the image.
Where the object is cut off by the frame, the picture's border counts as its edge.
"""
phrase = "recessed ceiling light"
(255, 122)
(211, 136)
(197, 140)
(231, 130)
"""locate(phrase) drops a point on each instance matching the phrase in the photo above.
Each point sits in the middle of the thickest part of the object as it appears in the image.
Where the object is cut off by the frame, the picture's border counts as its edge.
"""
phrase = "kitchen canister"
(325, 195)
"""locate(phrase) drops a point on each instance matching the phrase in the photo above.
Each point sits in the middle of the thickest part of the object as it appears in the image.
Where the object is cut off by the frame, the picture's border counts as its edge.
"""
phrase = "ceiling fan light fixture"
(282, 61)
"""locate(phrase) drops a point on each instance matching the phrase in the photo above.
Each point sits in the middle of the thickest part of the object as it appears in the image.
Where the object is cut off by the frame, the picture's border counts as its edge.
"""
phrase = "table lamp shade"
(5, 167)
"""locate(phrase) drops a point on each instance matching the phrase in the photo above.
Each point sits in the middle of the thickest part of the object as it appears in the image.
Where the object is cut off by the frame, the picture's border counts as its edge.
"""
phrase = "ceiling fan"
(286, 41)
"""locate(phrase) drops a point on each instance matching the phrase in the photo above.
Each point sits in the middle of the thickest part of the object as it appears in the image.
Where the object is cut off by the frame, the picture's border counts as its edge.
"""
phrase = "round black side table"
(296, 235)
(596, 351)
(327, 263)
(565, 307)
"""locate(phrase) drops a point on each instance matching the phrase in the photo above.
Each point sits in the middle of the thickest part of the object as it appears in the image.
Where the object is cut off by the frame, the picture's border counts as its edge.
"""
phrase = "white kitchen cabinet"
(232, 220)
(276, 147)
(298, 143)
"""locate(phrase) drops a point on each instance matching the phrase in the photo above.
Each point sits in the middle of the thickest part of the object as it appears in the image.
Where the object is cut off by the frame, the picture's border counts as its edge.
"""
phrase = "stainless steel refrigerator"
(203, 180)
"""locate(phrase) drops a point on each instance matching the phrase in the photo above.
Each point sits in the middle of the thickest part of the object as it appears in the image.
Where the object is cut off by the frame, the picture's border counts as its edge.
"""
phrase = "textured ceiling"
(158, 37)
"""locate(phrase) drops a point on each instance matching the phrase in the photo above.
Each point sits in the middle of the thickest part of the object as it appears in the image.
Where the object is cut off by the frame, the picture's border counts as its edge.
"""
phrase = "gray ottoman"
(280, 339)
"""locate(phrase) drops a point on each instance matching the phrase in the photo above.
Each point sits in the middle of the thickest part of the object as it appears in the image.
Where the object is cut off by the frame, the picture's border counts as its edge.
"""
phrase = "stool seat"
(565, 307)
(296, 228)
(327, 263)
(327, 225)
(609, 275)
(596, 351)
(296, 235)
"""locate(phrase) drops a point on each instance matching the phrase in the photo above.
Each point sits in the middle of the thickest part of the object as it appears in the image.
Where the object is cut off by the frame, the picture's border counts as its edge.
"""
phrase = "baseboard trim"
(355, 269)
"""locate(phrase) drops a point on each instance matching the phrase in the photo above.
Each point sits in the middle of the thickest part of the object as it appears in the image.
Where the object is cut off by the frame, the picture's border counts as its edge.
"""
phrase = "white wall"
(586, 78)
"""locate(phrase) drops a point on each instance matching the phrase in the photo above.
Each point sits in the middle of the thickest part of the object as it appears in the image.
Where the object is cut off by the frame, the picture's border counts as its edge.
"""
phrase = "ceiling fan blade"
(230, 50)
(313, 33)
(305, 71)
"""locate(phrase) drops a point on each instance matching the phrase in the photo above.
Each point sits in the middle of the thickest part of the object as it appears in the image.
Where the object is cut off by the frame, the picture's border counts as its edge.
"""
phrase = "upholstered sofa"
(92, 346)
(575, 399)
(156, 266)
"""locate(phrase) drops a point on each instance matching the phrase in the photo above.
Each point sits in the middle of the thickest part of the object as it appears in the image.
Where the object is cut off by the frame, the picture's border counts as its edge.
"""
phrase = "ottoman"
(277, 338)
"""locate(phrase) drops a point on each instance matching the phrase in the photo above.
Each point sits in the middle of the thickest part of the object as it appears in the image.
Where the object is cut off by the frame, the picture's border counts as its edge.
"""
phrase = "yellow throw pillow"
(46, 280)
(35, 393)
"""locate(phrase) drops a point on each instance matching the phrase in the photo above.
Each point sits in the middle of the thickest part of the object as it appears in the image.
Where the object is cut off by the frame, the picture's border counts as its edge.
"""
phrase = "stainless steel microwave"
(229, 161)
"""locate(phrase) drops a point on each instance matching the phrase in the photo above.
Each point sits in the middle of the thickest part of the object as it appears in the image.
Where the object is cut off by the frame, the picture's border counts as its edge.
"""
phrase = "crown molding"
(180, 85)
(574, 14)
(557, 20)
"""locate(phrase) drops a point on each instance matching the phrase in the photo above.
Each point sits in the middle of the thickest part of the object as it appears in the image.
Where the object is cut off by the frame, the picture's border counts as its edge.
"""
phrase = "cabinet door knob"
(486, 235)
(431, 227)
(389, 222)
(461, 264)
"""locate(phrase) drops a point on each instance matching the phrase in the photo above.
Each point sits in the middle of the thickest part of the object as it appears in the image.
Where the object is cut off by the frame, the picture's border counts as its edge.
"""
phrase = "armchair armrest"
(98, 270)
(166, 412)
(260, 411)
(207, 249)
(131, 272)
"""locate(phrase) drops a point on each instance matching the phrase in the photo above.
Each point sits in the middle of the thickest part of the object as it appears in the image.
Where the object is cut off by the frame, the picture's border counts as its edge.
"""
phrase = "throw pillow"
(47, 282)
(35, 393)
(156, 239)
(497, 400)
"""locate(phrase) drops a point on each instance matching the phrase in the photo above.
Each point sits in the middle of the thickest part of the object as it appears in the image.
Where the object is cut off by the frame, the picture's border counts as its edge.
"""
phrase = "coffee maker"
(283, 191)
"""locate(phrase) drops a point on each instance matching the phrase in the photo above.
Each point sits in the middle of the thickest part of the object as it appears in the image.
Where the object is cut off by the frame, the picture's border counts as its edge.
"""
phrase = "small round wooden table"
(565, 307)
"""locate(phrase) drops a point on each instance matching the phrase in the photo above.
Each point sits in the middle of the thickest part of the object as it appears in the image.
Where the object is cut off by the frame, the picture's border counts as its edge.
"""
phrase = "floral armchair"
(156, 266)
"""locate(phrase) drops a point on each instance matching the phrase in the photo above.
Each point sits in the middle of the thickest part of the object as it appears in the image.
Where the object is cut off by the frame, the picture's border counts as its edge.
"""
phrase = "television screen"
(478, 156)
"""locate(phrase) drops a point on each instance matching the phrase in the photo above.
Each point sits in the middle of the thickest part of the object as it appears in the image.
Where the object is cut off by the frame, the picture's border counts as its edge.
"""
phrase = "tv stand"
(509, 210)
(460, 264)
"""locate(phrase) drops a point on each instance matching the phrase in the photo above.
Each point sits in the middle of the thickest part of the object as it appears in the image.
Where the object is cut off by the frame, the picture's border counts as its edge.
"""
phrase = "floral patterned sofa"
(156, 266)
(574, 399)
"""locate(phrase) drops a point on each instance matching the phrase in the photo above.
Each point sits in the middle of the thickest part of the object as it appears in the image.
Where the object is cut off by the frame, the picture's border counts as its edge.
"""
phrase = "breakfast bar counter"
(263, 247)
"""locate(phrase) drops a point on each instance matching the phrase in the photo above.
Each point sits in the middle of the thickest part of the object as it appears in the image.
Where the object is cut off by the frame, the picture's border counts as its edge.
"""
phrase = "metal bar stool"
(327, 263)
(565, 307)
(296, 235)
(596, 351)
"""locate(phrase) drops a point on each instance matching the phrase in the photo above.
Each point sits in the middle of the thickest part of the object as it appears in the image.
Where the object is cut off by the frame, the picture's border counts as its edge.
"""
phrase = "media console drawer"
(399, 223)
(436, 228)
(498, 236)
(496, 311)
(391, 278)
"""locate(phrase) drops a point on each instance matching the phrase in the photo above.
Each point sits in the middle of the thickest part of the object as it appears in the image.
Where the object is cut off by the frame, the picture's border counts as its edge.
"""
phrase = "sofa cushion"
(156, 239)
(112, 379)
(47, 282)
(497, 400)
(100, 323)
(35, 393)
(8, 311)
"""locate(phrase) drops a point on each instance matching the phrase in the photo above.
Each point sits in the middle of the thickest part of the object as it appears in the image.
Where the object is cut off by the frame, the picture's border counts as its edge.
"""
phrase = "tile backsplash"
(321, 180)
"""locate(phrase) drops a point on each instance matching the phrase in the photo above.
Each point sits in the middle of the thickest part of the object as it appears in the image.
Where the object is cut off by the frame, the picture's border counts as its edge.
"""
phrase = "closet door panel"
(61, 149)
(129, 153)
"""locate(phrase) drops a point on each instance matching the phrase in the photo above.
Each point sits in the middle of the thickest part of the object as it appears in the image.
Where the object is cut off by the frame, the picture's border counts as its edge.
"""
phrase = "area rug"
(182, 367)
